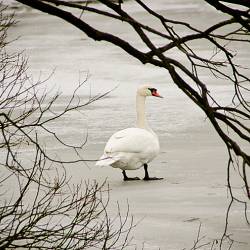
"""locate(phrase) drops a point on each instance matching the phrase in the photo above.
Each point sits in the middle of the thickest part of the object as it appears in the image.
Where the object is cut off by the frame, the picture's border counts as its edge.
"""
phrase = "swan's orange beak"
(155, 93)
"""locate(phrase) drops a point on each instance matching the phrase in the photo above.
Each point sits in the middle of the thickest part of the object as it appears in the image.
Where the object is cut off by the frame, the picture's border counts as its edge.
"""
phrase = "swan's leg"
(126, 178)
(147, 178)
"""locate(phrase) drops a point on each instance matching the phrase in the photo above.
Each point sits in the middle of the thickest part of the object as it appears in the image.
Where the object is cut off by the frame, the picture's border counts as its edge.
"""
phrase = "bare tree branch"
(39, 207)
(231, 121)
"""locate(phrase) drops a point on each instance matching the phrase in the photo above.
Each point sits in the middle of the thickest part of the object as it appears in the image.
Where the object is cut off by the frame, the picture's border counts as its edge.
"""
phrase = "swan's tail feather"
(105, 161)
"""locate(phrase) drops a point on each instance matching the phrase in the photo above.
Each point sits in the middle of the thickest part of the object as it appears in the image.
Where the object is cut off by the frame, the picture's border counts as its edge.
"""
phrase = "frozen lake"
(193, 159)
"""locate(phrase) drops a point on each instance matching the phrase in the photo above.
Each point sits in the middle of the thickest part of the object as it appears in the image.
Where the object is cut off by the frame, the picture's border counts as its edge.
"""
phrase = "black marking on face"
(153, 90)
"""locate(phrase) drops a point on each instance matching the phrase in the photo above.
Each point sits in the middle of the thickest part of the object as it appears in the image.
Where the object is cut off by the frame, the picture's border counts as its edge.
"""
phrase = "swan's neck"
(140, 109)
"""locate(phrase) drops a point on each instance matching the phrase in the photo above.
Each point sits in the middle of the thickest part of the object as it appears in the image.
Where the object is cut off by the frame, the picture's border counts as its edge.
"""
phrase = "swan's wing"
(131, 140)
(129, 149)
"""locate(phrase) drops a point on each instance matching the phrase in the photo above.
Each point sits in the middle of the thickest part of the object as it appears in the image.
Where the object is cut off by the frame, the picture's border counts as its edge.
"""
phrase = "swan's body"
(132, 148)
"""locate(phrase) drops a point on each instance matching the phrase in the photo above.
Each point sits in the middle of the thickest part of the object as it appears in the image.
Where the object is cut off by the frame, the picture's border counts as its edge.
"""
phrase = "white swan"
(132, 148)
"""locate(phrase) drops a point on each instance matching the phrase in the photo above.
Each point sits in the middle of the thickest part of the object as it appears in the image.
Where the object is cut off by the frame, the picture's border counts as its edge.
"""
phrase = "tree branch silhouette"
(232, 117)
(231, 121)
(39, 206)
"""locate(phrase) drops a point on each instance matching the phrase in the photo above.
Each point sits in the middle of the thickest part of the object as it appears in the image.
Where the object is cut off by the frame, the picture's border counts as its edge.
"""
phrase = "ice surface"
(192, 159)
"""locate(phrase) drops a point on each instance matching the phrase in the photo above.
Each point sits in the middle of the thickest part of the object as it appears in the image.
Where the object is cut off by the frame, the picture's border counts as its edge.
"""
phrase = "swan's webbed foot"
(147, 178)
(126, 178)
(152, 178)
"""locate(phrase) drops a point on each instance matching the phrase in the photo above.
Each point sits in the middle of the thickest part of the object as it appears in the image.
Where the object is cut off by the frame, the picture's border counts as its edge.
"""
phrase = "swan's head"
(146, 90)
